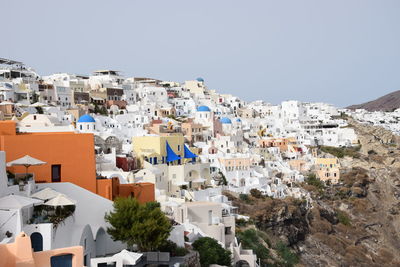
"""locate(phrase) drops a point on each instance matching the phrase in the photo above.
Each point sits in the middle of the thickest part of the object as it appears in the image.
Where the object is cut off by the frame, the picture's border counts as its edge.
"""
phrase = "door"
(56, 173)
(37, 241)
(61, 261)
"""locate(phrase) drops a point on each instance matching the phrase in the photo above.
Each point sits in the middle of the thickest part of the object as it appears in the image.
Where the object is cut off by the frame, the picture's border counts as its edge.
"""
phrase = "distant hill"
(387, 102)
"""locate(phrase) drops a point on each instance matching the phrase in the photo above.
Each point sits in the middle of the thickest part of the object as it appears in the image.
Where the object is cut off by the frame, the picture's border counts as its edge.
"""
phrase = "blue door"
(61, 261)
(37, 241)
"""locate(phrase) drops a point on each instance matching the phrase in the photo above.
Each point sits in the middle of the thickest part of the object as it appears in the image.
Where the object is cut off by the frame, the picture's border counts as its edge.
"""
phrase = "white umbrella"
(18, 202)
(60, 200)
(199, 180)
(180, 183)
(26, 161)
(38, 104)
(45, 194)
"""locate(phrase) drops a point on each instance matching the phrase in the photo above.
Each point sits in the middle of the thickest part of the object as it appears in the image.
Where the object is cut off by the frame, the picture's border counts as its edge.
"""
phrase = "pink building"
(20, 254)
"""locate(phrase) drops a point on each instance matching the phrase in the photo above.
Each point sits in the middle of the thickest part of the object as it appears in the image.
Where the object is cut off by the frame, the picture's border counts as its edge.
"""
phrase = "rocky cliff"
(356, 223)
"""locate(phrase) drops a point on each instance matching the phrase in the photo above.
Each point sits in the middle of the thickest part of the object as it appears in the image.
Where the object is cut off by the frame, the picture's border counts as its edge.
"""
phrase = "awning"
(171, 156)
(189, 154)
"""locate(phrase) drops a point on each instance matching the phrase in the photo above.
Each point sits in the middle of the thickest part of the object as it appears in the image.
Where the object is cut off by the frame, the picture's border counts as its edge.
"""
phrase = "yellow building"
(153, 149)
(328, 169)
(195, 86)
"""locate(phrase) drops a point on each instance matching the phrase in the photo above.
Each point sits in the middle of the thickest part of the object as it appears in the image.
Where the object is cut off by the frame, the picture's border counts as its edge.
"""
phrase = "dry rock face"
(355, 223)
(370, 198)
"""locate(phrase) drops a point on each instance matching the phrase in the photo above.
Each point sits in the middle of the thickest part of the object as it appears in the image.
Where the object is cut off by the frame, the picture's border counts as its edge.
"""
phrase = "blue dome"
(86, 118)
(238, 120)
(203, 108)
(225, 120)
(200, 79)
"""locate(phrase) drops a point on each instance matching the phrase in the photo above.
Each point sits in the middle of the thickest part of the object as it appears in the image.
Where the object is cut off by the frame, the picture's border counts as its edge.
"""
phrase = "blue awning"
(171, 156)
(189, 154)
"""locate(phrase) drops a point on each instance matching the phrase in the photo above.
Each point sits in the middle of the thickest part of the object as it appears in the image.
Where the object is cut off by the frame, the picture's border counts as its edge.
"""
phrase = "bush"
(244, 197)
(314, 181)
(250, 239)
(256, 193)
(241, 222)
(287, 255)
(172, 248)
(341, 152)
(343, 218)
(211, 252)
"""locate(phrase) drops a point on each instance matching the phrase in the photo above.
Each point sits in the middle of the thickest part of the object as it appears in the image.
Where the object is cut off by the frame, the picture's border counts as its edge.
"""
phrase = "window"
(56, 173)
(228, 230)
(34, 117)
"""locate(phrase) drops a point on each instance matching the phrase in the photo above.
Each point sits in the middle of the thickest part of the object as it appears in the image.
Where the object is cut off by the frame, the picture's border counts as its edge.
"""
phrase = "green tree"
(142, 224)
(211, 252)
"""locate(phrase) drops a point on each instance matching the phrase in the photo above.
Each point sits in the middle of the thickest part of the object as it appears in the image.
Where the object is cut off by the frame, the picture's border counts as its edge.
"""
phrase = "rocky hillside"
(387, 102)
(355, 223)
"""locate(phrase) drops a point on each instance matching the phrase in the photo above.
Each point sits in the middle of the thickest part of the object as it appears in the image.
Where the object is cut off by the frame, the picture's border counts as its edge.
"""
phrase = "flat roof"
(100, 71)
(9, 61)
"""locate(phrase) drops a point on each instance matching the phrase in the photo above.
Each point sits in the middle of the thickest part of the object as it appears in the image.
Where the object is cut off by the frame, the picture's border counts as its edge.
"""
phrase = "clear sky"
(338, 51)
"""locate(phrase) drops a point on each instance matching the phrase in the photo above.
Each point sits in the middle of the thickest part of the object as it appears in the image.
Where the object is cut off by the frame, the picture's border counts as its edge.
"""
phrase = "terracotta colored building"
(111, 189)
(70, 157)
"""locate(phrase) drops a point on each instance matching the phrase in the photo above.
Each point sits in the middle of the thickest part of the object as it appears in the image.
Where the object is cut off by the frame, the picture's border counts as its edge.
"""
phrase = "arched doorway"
(37, 241)
(101, 242)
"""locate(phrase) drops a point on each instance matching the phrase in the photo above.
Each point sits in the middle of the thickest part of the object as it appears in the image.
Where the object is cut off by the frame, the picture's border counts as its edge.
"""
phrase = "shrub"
(287, 255)
(250, 240)
(256, 193)
(314, 181)
(343, 218)
(244, 197)
(241, 222)
(172, 248)
(341, 152)
(211, 252)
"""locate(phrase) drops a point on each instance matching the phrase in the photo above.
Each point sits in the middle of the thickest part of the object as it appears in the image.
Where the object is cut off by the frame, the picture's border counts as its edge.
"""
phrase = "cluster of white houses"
(183, 144)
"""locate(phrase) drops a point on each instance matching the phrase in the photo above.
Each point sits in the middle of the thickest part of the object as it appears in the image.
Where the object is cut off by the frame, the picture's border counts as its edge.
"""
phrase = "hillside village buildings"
(104, 136)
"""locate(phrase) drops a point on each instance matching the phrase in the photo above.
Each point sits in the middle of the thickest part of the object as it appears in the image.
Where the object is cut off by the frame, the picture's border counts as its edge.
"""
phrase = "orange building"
(282, 143)
(111, 188)
(70, 157)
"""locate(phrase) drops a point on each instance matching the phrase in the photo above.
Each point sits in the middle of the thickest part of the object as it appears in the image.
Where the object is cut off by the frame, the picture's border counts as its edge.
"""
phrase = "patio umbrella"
(199, 180)
(180, 183)
(18, 202)
(45, 194)
(60, 200)
(38, 104)
(26, 161)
